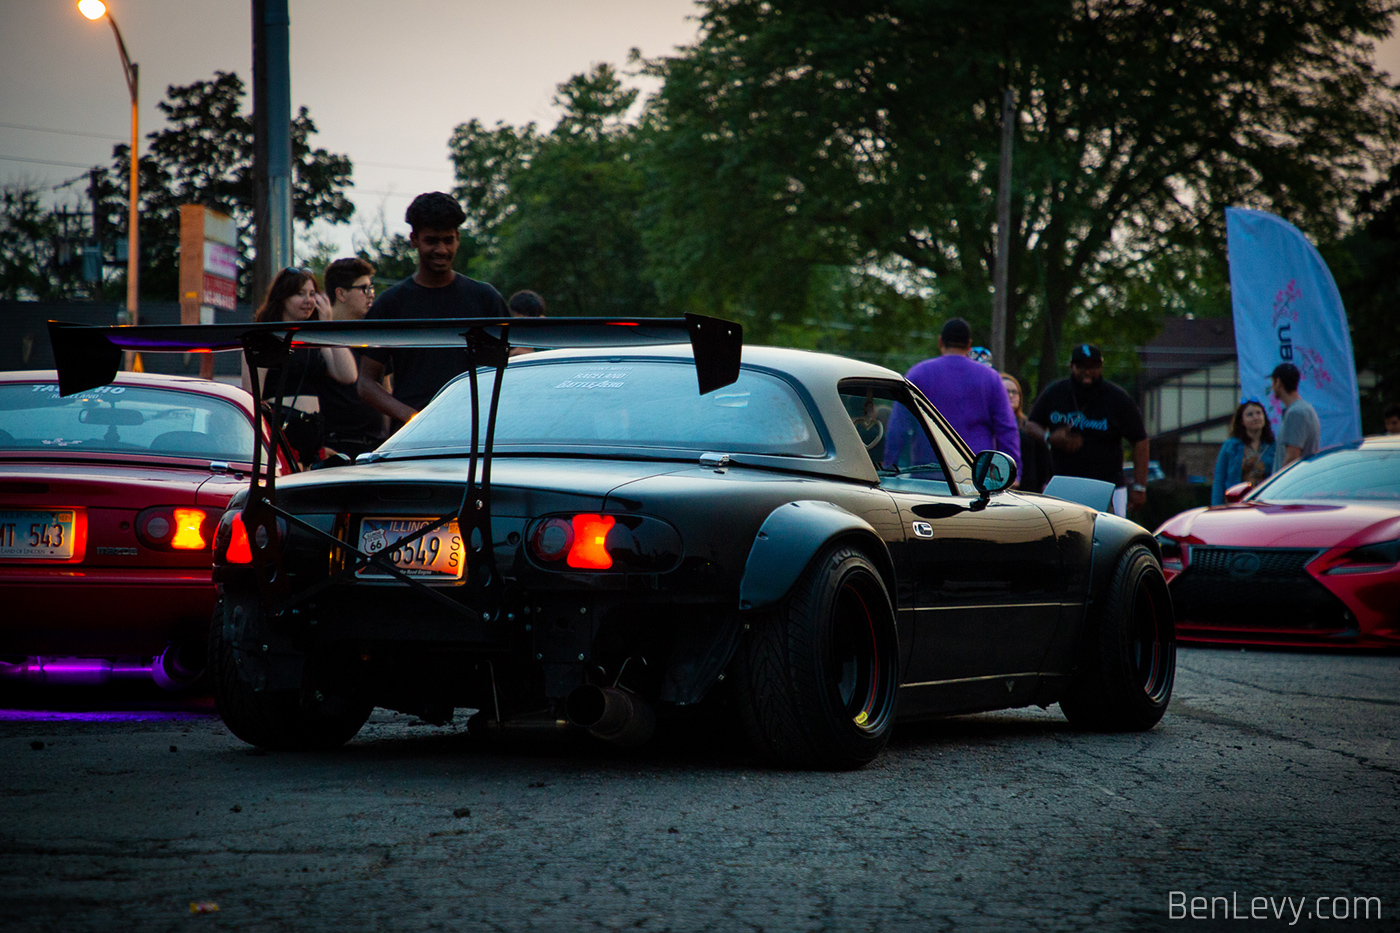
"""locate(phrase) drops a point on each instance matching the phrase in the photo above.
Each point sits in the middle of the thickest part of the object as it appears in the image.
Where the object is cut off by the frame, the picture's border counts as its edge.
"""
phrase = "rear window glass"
(123, 419)
(629, 403)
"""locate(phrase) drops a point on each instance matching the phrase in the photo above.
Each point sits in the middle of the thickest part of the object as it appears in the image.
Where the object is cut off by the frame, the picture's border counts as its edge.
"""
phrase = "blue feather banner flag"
(1287, 310)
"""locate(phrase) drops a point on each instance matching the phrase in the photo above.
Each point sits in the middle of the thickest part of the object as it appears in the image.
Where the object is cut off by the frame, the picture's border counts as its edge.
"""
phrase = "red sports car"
(1310, 557)
(108, 504)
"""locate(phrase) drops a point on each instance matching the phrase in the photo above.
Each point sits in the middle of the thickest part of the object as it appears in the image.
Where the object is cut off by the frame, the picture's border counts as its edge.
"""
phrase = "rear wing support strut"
(473, 515)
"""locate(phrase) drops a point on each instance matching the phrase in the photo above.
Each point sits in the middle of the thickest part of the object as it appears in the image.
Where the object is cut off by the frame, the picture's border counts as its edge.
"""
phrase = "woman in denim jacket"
(1248, 456)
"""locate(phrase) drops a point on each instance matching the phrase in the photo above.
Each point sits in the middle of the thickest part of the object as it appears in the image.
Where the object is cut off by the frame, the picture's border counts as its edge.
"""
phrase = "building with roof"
(1188, 388)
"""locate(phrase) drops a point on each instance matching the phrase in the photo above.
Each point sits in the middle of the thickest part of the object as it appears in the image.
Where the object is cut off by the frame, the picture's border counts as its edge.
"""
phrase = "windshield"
(1348, 473)
(621, 403)
(123, 419)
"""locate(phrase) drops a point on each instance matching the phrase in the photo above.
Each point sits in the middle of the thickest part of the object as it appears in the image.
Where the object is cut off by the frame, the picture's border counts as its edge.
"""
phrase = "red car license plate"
(37, 534)
(439, 554)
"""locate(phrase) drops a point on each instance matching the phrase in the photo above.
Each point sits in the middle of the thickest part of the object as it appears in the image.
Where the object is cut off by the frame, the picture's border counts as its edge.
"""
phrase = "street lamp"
(95, 10)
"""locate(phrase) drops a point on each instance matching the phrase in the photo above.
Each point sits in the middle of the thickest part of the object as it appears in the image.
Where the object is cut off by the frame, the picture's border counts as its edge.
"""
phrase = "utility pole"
(1000, 273)
(272, 142)
(99, 231)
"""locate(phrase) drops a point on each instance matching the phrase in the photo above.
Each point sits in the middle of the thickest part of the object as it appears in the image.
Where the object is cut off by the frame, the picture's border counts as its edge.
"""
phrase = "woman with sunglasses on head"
(295, 296)
(1248, 455)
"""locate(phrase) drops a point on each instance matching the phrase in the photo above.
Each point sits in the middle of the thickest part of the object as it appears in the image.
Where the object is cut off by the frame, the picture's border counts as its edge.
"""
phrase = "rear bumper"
(101, 612)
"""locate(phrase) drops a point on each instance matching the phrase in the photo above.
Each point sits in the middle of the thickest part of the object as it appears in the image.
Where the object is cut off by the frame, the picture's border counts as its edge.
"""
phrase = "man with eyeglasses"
(435, 290)
(352, 427)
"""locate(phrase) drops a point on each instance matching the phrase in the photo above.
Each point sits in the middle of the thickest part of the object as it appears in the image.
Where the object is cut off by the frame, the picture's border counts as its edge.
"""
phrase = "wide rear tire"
(818, 677)
(280, 720)
(1127, 663)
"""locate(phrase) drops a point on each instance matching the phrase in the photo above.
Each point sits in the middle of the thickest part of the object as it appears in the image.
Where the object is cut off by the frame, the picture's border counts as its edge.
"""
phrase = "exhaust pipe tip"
(612, 715)
(174, 668)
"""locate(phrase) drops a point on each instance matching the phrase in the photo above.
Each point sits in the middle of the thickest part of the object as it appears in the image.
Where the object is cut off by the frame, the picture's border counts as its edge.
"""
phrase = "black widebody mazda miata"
(583, 540)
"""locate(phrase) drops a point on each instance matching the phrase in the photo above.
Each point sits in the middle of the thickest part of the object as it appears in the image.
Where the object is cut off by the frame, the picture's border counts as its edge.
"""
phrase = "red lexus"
(108, 504)
(1309, 557)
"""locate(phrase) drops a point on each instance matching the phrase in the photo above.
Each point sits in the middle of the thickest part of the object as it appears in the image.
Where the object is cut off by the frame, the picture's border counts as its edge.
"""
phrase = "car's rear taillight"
(581, 541)
(590, 548)
(171, 528)
(238, 550)
(591, 541)
(231, 540)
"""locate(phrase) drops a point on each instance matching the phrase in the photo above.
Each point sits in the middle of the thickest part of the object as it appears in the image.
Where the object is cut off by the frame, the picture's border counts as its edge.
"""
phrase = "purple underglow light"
(134, 715)
(81, 667)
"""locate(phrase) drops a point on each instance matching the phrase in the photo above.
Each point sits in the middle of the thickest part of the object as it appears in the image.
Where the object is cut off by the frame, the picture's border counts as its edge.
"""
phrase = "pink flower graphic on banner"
(1311, 366)
(1283, 302)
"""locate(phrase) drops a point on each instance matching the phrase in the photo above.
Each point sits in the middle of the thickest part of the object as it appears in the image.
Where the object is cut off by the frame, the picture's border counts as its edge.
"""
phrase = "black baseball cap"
(1085, 354)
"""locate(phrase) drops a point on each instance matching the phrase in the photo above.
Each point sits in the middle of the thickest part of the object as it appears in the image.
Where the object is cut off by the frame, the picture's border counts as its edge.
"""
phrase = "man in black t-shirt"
(434, 291)
(1087, 420)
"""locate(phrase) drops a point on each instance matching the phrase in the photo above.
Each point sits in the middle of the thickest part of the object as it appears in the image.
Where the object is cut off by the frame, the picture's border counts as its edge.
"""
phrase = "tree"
(392, 256)
(1366, 265)
(205, 156)
(795, 136)
(40, 248)
(558, 213)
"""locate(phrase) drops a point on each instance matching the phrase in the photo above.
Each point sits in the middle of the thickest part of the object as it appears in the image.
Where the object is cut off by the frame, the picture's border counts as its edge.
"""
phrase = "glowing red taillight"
(167, 528)
(238, 550)
(589, 550)
(189, 530)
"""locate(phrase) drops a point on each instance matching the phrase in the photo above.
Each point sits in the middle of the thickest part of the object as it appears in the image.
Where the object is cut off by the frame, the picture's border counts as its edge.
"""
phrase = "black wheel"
(818, 677)
(281, 720)
(1127, 662)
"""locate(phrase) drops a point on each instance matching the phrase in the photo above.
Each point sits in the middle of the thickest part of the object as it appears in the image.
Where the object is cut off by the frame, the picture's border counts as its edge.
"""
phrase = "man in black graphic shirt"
(434, 291)
(1087, 421)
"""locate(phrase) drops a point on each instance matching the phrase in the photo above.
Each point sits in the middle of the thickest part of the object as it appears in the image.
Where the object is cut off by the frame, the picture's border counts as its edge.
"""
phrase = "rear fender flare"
(791, 536)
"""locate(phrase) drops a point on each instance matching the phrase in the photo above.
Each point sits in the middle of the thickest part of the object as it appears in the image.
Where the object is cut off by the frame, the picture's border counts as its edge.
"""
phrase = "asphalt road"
(1275, 775)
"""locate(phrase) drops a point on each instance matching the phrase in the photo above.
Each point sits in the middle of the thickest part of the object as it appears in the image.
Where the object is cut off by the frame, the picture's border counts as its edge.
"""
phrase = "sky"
(385, 82)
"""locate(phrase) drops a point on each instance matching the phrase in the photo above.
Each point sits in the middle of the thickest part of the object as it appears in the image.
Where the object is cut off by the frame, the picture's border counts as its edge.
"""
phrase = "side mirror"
(992, 472)
(1238, 491)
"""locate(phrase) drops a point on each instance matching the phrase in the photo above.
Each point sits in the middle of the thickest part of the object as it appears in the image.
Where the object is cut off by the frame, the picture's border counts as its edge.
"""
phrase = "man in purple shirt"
(969, 394)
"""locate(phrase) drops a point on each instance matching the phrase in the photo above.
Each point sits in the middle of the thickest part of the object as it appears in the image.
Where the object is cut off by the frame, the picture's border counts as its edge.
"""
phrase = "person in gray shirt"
(1300, 432)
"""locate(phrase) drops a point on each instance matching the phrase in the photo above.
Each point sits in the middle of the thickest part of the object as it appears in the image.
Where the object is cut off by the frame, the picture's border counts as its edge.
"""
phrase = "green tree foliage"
(798, 135)
(393, 257)
(205, 156)
(1367, 267)
(558, 212)
(38, 260)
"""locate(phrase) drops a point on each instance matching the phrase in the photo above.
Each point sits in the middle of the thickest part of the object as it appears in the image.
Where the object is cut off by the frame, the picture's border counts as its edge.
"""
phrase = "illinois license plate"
(37, 534)
(439, 554)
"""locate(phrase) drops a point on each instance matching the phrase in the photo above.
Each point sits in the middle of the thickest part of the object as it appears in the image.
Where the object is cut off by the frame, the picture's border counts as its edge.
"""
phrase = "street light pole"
(94, 10)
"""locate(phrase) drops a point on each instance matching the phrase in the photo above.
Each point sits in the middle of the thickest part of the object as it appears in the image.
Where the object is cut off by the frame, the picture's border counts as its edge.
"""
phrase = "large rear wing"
(87, 357)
